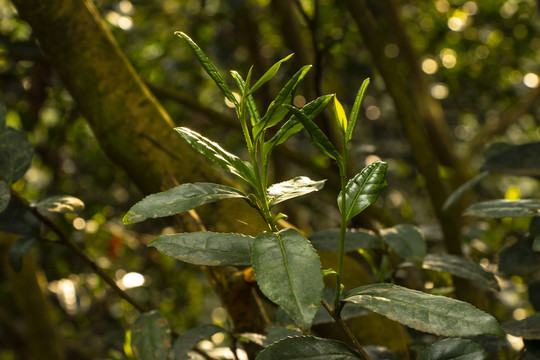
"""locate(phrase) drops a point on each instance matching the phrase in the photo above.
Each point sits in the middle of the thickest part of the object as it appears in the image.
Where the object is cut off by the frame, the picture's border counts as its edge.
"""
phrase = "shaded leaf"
(363, 190)
(3, 113)
(60, 204)
(513, 159)
(453, 349)
(429, 313)
(407, 241)
(215, 153)
(206, 248)
(16, 219)
(16, 154)
(288, 272)
(273, 334)
(192, 337)
(519, 259)
(504, 208)
(308, 347)
(528, 328)
(300, 185)
(5, 195)
(464, 189)
(17, 251)
(269, 74)
(459, 266)
(536, 243)
(179, 199)
(355, 112)
(328, 240)
(151, 337)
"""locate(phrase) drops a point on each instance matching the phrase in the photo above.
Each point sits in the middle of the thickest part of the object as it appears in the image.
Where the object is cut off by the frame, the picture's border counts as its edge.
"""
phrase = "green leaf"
(464, 189)
(318, 138)
(17, 219)
(458, 266)
(3, 114)
(179, 199)
(206, 248)
(363, 189)
(5, 195)
(453, 349)
(16, 154)
(62, 204)
(250, 101)
(513, 159)
(308, 347)
(407, 241)
(536, 243)
(504, 208)
(151, 337)
(288, 272)
(299, 186)
(355, 113)
(528, 328)
(17, 251)
(434, 314)
(192, 337)
(215, 153)
(328, 240)
(519, 259)
(340, 116)
(209, 68)
(269, 74)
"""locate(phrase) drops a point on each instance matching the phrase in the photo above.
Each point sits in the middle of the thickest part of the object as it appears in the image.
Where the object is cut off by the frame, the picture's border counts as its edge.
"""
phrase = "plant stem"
(343, 226)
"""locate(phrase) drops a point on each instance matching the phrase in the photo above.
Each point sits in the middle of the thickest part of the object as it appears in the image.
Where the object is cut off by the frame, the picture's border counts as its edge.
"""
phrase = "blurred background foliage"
(479, 60)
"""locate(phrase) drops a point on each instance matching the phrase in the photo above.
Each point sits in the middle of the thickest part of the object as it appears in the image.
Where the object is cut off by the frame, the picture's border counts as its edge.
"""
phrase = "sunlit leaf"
(250, 101)
(429, 313)
(269, 74)
(513, 159)
(16, 154)
(191, 338)
(355, 112)
(60, 204)
(328, 240)
(308, 347)
(151, 337)
(339, 114)
(528, 328)
(206, 248)
(407, 241)
(453, 349)
(17, 251)
(504, 208)
(179, 199)
(459, 266)
(300, 185)
(464, 189)
(5, 195)
(363, 189)
(288, 272)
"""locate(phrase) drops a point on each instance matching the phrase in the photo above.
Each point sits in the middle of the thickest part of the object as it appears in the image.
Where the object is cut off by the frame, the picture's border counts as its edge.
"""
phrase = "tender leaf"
(407, 241)
(209, 68)
(453, 349)
(513, 159)
(60, 204)
(5, 195)
(363, 189)
(16, 154)
(355, 113)
(206, 248)
(215, 153)
(504, 208)
(308, 347)
(464, 189)
(328, 240)
(318, 138)
(458, 266)
(17, 251)
(340, 116)
(269, 74)
(528, 328)
(151, 337)
(429, 313)
(179, 199)
(191, 338)
(288, 272)
(250, 101)
(300, 185)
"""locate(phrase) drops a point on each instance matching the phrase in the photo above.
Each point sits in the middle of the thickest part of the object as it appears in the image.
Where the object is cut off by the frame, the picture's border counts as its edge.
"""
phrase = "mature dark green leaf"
(363, 190)
(288, 272)
(269, 74)
(16, 154)
(429, 313)
(206, 248)
(328, 240)
(2, 118)
(355, 112)
(17, 251)
(348, 311)
(179, 199)
(504, 208)
(5, 195)
(273, 334)
(513, 159)
(407, 241)
(16, 219)
(528, 328)
(250, 101)
(191, 338)
(209, 68)
(60, 204)
(151, 337)
(308, 347)
(300, 185)
(215, 153)
(464, 189)
(536, 243)
(318, 138)
(459, 266)
(519, 259)
(453, 349)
